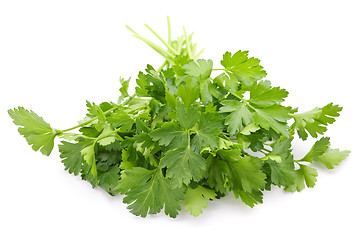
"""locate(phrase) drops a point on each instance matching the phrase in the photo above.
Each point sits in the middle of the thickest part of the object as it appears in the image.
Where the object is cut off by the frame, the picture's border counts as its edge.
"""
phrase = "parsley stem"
(169, 29)
(236, 95)
(88, 121)
(83, 136)
(190, 36)
(77, 136)
(107, 135)
(187, 44)
(162, 66)
(218, 69)
(154, 46)
(138, 110)
(95, 118)
(180, 43)
(162, 40)
(248, 104)
(188, 137)
(193, 47)
(199, 53)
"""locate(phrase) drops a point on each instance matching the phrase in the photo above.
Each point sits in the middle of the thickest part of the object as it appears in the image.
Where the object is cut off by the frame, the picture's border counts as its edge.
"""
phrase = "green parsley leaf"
(147, 192)
(215, 173)
(195, 199)
(109, 178)
(281, 173)
(123, 89)
(107, 136)
(315, 121)
(200, 69)
(263, 95)
(170, 134)
(319, 148)
(304, 173)
(38, 133)
(250, 128)
(89, 157)
(250, 198)
(208, 131)
(71, 155)
(186, 118)
(322, 153)
(273, 117)
(121, 120)
(239, 117)
(188, 94)
(229, 81)
(183, 165)
(246, 69)
(150, 85)
(244, 173)
(332, 157)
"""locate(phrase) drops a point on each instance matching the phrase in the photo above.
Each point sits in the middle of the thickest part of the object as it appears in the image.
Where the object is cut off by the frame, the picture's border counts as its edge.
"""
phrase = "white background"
(54, 55)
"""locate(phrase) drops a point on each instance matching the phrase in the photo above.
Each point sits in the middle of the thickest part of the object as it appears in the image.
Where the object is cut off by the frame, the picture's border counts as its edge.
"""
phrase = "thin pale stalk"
(162, 40)
(199, 53)
(95, 118)
(187, 44)
(181, 44)
(162, 66)
(154, 46)
(169, 29)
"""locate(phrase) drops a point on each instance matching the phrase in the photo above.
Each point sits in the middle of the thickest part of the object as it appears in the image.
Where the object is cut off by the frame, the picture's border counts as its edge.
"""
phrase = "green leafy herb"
(188, 135)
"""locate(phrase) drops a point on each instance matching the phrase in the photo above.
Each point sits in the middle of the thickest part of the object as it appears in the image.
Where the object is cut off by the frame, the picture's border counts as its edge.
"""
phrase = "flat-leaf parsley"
(189, 135)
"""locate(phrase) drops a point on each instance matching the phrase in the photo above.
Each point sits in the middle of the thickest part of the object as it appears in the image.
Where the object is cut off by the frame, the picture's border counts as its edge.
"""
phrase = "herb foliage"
(189, 135)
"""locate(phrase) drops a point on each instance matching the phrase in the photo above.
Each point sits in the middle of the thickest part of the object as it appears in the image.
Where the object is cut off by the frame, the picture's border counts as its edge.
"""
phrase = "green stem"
(181, 44)
(218, 69)
(83, 136)
(187, 44)
(190, 36)
(235, 94)
(95, 118)
(162, 40)
(107, 135)
(78, 136)
(162, 66)
(188, 135)
(129, 99)
(193, 47)
(157, 48)
(169, 29)
(137, 110)
(197, 55)
(88, 121)
(154, 46)
(248, 104)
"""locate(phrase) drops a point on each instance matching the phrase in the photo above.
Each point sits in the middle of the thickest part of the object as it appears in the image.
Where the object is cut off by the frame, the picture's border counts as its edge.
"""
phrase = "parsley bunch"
(190, 133)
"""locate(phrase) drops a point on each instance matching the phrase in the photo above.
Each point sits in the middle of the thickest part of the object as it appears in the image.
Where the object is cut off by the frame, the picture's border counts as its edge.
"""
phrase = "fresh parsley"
(189, 135)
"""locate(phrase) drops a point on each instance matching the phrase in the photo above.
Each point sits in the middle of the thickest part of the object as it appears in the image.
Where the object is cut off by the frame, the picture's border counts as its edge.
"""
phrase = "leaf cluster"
(189, 134)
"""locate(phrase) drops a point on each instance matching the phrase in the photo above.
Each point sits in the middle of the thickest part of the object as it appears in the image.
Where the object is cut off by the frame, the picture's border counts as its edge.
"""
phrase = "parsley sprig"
(189, 135)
